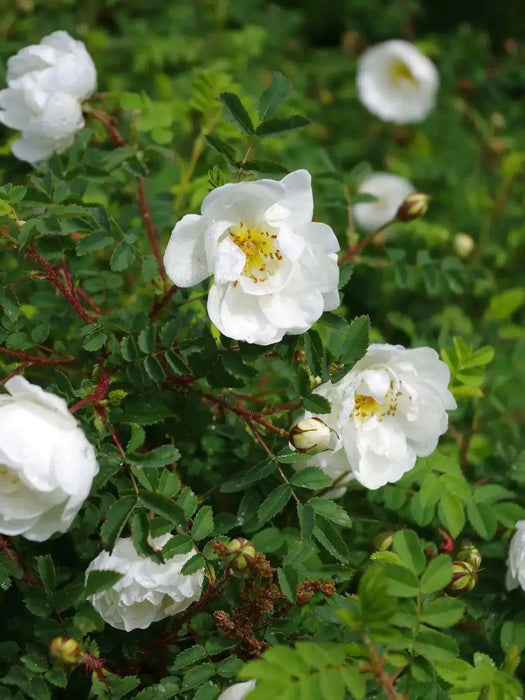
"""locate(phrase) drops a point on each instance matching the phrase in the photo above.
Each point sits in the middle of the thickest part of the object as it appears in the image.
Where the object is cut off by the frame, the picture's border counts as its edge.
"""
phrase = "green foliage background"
(187, 405)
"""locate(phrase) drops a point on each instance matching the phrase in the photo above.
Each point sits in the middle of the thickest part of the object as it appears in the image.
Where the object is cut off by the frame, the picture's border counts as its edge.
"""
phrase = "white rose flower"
(47, 83)
(396, 82)
(238, 691)
(387, 411)
(46, 463)
(516, 559)
(390, 190)
(275, 270)
(148, 591)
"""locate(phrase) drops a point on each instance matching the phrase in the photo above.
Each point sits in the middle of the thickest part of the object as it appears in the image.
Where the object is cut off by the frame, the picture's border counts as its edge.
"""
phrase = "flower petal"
(185, 257)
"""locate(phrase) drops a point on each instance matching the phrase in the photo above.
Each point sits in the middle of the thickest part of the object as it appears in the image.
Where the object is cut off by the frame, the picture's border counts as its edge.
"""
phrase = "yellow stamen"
(400, 73)
(259, 247)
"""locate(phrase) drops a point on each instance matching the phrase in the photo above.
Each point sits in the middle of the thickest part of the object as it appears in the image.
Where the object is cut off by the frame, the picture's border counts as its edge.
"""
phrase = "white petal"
(32, 149)
(318, 234)
(242, 201)
(61, 116)
(390, 190)
(19, 388)
(185, 256)
(296, 207)
(239, 316)
(237, 691)
(16, 114)
(229, 262)
(295, 308)
(290, 244)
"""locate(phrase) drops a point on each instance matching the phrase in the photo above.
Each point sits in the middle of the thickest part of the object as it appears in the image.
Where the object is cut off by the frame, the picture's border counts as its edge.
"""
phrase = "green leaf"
(235, 113)
(46, 571)
(410, 549)
(306, 517)
(94, 241)
(115, 520)
(274, 503)
(274, 96)
(330, 538)
(180, 544)
(264, 167)
(221, 147)
(188, 501)
(279, 127)
(513, 634)
(402, 582)
(442, 612)
(202, 524)
(482, 519)
(188, 657)
(312, 478)
(503, 305)
(141, 535)
(451, 514)
(288, 580)
(315, 403)
(147, 340)
(94, 341)
(100, 580)
(330, 510)
(122, 256)
(169, 484)
(163, 506)
(253, 475)
(196, 563)
(436, 646)
(355, 343)
(437, 575)
(159, 457)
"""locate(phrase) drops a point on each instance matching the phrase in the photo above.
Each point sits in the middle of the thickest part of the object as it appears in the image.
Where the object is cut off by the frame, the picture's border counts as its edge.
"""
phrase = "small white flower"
(516, 559)
(275, 270)
(396, 82)
(238, 691)
(148, 591)
(310, 436)
(46, 463)
(387, 411)
(47, 83)
(390, 190)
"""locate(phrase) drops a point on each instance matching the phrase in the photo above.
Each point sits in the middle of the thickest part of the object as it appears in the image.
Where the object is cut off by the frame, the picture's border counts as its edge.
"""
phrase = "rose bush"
(220, 399)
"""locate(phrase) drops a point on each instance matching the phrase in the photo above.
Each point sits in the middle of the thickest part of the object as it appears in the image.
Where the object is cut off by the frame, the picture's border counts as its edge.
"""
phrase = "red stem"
(151, 232)
(98, 393)
(51, 275)
(34, 359)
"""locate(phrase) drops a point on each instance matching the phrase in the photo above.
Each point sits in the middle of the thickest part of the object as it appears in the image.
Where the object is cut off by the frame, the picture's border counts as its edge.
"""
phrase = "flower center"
(366, 406)
(401, 74)
(258, 245)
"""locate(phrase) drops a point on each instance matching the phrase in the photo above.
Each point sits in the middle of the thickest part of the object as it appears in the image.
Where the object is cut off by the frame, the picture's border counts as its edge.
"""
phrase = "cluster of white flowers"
(274, 269)
(388, 410)
(47, 83)
(147, 591)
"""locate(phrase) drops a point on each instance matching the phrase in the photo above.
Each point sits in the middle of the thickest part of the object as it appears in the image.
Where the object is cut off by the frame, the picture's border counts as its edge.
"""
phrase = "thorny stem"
(102, 413)
(68, 292)
(356, 249)
(7, 547)
(378, 669)
(160, 302)
(253, 416)
(98, 393)
(34, 359)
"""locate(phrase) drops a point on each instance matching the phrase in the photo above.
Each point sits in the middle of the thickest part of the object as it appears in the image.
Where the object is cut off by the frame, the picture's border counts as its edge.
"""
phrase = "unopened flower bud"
(66, 649)
(471, 555)
(239, 551)
(463, 244)
(464, 578)
(383, 541)
(310, 436)
(414, 206)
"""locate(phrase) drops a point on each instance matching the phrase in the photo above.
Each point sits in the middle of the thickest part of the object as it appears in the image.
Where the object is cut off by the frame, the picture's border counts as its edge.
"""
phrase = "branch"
(356, 249)
(35, 359)
(152, 233)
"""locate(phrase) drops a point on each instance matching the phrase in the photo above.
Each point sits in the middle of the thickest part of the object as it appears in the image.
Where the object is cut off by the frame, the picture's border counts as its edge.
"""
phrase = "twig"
(98, 394)
(356, 249)
(116, 136)
(245, 157)
(34, 359)
(51, 275)
(151, 232)
(160, 302)
(271, 455)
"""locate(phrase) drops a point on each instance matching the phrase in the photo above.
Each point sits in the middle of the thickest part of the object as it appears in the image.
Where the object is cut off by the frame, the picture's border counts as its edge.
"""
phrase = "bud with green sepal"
(464, 578)
(414, 206)
(311, 436)
(471, 555)
(383, 541)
